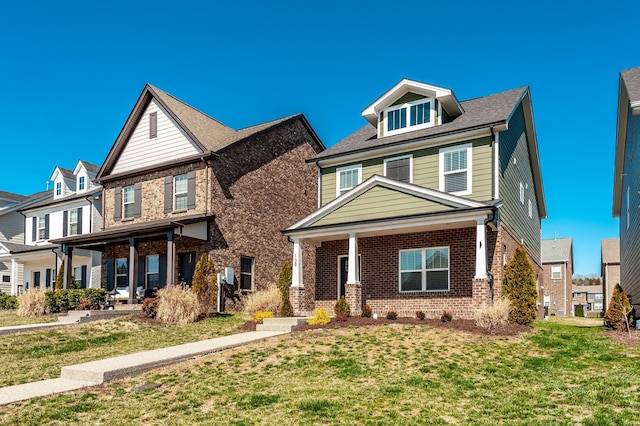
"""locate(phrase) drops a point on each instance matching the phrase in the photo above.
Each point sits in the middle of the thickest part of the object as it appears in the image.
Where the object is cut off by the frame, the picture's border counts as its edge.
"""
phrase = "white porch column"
(353, 274)
(296, 279)
(14, 276)
(481, 250)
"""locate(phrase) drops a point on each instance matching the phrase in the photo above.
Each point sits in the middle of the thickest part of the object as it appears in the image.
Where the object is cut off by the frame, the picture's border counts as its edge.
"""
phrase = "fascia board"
(621, 141)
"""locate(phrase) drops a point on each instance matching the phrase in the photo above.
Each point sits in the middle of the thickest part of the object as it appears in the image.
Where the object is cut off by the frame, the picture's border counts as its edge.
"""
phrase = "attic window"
(81, 183)
(153, 125)
(409, 116)
(58, 189)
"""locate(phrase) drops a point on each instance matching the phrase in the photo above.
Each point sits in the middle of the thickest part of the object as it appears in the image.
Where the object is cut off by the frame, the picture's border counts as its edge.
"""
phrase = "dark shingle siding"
(630, 237)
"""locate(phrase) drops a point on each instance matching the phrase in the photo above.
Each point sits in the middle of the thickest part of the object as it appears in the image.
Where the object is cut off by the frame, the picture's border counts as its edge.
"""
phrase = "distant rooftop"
(556, 250)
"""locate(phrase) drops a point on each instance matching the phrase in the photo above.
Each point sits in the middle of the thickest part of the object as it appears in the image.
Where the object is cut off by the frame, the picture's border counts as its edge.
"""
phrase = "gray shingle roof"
(50, 200)
(555, 250)
(479, 112)
(66, 173)
(631, 79)
(611, 250)
(90, 167)
(12, 196)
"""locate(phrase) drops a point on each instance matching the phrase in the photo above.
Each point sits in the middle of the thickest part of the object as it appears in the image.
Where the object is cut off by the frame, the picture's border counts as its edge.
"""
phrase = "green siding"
(381, 203)
(514, 214)
(409, 97)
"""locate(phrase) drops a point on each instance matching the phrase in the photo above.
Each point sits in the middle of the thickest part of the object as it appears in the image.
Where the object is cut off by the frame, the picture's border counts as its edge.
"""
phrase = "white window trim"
(409, 127)
(43, 228)
(401, 157)
(176, 193)
(556, 269)
(58, 189)
(424, 270)
(132, 202)
(442, 151)
(522, 193)
(530, 208)
(340, 170)
(72, 211)
(82, 179)
(146, 270)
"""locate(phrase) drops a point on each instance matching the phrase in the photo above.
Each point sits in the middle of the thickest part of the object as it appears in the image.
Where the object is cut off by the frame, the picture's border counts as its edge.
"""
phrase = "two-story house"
(423, 206)
(626, 183)
(178, 183)
(72, 207)
(557, 263)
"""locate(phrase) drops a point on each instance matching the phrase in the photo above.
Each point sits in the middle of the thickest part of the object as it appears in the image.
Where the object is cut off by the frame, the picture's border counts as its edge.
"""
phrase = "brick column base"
(296, 297)
(481, 292)
(353, 294)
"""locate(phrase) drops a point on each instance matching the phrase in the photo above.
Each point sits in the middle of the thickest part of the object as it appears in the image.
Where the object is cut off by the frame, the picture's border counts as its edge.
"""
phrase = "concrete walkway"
(93, 373)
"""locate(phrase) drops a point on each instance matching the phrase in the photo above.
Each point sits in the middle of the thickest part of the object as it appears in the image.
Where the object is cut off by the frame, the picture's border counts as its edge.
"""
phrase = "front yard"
(9, 318)
(385, 374)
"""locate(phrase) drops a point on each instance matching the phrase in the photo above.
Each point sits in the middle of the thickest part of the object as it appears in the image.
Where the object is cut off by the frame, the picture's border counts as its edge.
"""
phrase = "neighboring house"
(422, 208)
(73, 207)
(12, 232)
(177, 183)
(590, 297)
(610, 267)
(626, 184)
(557, 262)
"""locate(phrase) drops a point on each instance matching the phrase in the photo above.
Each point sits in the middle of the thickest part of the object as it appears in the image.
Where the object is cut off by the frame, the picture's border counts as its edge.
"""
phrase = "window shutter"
(168, 194)
(153, 125)
(162, 276)
(191, 190)
(137, 200)
(79, 220)
(34, 228)
(141, 271)
(46, 226)
(65, 222)
(83, 281)
(117, 204)
(111, 270)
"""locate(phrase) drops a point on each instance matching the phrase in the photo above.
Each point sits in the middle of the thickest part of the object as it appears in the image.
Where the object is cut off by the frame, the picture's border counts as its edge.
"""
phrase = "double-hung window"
(556, 272)
(42, 228)
(455, 169)
(424, 269)
(58, 189)
(180, 189)
(122, 272)
(153, 271)
(73, 222)
(399, 168)
(128, 200)
(81, 183)
(246, 273)
(347, 178)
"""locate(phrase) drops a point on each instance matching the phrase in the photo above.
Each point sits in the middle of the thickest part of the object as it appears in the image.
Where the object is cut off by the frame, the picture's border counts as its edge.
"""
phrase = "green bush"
(204, 284)
(579, 311)
(284, 281)
(69, 299)
(261, 315)
(342, 309)
(519, 287)
(619, 306)
(59, 285)
(8, 302)
(320, 317)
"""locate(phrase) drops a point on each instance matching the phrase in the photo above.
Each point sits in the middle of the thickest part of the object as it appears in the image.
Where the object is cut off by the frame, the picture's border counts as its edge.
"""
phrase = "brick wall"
(560, 290)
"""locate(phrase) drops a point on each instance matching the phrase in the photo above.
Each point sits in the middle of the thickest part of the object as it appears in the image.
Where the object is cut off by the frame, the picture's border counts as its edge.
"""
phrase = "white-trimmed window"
(180, 189)
(409, 116)
(455, 169)
(348, 177)
(58, 189)
(399, 168)
(556, 272)
(81, 181)
(42, 228)
(73, 222)
(6, 279)
(424, 270)
(246, 273)
(128, 200)
(152, 271)
(122, 272)
(77, 277)
(530, 208)
(522, 193)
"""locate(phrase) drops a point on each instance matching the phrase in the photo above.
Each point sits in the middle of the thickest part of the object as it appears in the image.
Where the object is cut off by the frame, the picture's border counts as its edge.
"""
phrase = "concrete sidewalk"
(93, 373)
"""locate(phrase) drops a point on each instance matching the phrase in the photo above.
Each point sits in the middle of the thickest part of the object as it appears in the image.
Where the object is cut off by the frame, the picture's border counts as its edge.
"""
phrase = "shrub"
(320, 317)
(392, 315)
(150, 307)
(446, 316)
(366, 311)
(31, 303)
(284, 281)
(519, 287)
(263, 300)
(493, 316)
(84, 305)
(177, 305)
(8, 302)
(342, 309)
(59, 285)
(420, 315)
(579, 310)
(259, 316)
(69, 299)
(204, 285)
(619, 308)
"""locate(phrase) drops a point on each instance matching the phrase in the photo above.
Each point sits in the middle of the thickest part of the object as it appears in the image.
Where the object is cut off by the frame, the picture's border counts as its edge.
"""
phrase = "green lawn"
(9, 318)
(387, 375)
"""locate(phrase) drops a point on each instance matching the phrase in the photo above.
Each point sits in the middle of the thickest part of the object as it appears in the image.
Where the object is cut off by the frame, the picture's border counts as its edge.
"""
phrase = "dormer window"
(81, 183)
(58, 189)
(409, 116)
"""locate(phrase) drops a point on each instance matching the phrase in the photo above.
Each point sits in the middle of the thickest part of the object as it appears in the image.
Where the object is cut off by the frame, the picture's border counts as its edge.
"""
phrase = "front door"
(186, 267)
(343, 262)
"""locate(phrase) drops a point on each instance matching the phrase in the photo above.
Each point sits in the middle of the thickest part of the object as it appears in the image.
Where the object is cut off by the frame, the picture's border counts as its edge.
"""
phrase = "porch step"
(86, 316)
(280, 324)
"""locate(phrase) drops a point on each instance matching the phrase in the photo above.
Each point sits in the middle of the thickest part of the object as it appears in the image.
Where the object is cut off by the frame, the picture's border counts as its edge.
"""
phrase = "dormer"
(64, 183)
(84, 174)
(410, 106)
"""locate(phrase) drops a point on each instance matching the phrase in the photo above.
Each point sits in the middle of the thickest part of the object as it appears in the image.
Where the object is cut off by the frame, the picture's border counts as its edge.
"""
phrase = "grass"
(392, 374)
(9, 318)
(576, 321)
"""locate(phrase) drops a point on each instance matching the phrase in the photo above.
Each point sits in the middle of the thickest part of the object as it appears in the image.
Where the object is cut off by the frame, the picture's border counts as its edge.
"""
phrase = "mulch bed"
(630, 339)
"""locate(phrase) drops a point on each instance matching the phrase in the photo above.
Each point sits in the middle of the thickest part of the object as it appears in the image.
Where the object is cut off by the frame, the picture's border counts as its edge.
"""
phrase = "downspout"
(489, 274)
(493, 164)
(90, 213)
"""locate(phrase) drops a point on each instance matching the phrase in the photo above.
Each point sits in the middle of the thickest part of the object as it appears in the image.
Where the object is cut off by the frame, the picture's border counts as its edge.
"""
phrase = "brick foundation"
(298, 300)
(353, 295)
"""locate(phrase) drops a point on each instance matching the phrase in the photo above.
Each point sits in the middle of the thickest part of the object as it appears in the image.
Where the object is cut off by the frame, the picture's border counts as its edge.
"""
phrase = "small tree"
(284, 281)
(579, 310)
(204, 285)
(519, 287)
(619, 310)
(59, 285)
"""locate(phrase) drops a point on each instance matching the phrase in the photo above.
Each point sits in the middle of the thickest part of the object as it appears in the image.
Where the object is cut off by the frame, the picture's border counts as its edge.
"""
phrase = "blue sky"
(72, 71)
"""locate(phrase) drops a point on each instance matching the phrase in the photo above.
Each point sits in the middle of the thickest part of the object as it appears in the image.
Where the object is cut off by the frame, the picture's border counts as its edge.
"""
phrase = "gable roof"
(610, 250)
(12, 196)
(556, 250)
(28, 201)
(51, 200)
(628, 99)
(91, 168)
(66, 173)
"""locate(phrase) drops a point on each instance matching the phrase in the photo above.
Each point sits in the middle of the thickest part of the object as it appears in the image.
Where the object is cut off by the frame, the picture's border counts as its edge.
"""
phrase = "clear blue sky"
(71, 72)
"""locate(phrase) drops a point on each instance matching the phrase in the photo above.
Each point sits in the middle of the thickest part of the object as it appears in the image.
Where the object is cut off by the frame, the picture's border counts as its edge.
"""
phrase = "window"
(424, 270)
(36, 279)
(42, 228)
(530, 209)
(556, 272)
(58, 189)
(348, 177)
(246, 273)
(421, 114)
(6, 279)
(81, 183)
(521, 192)
(127, 201)
(396, 119)
(122, 272)
(153, 271)
(73, 222)
(399, 168)
(455, 170)
(180, 188)
(77, 277)
(153, 125)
